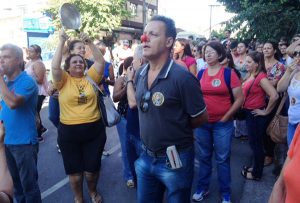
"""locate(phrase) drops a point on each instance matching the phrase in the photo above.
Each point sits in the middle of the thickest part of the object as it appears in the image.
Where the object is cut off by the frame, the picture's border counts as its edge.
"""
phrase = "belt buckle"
(148, 151)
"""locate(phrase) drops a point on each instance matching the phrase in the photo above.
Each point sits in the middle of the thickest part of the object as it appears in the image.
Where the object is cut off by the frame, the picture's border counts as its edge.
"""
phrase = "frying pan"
(70, 17)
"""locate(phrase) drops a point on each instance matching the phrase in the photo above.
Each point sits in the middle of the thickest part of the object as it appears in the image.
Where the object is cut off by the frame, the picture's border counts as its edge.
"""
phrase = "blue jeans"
(53, 109)
(128, 173)
(154, 176)
(290, 132)
(133, 150)
(257, 126)
(22, 164)
(214, 137)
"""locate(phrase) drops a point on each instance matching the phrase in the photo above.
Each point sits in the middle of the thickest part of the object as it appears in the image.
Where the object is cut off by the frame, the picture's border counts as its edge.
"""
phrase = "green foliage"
(96, 15)
(220, 34)
(264, 19)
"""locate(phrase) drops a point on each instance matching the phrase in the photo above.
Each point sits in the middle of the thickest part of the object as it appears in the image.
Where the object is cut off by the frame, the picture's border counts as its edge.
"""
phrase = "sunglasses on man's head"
(296, 53)
(144, 106)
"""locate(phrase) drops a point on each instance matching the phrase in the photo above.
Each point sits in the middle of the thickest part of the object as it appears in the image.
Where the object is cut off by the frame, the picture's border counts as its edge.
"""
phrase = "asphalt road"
(55, 187)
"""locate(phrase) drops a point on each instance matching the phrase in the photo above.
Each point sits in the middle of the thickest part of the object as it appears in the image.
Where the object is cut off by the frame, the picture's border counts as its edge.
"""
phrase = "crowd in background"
(248, 76)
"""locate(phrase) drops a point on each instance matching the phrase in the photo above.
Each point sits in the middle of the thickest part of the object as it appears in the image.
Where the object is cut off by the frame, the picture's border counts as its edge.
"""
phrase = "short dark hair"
(199, 48)
(68, 59)
(169, 24)
(71, 44)
(233, 44)
(218, 47)
(228, 31)
(245, 43)
(259, 59)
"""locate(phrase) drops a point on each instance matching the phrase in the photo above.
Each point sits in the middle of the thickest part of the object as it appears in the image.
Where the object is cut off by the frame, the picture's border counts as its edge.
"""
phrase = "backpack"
(227, 78)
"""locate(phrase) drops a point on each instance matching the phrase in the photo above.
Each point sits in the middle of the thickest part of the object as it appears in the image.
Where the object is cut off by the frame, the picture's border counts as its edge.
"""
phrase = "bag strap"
(227, 78)
(94, 84)
(200, 74)
(281, 103)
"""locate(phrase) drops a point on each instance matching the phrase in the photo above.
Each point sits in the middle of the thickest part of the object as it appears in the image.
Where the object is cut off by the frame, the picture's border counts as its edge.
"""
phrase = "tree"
(218, 34)
(264, 19)
(96, 15)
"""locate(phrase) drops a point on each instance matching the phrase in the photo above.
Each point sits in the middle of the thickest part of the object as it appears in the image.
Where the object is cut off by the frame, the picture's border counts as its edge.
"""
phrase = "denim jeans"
(22, 164)
(214, 137)
(53, 111)
(128, 173)
(257, 126)
(290, 132)
(133, 150)
(154, 176)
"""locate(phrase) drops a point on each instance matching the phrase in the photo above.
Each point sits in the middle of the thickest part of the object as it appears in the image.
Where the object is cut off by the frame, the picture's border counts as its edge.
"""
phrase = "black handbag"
(109, 113)
(241, 113)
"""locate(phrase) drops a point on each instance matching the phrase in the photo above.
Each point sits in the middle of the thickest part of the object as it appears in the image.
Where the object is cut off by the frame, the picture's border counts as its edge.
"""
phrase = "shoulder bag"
(277, 128)
(109, 113)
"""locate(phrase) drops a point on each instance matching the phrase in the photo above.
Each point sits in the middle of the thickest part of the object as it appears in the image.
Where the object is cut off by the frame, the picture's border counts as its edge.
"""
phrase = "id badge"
(82, 99)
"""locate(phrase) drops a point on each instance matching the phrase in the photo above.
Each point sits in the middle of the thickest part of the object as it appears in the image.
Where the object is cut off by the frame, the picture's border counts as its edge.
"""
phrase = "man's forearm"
(9, 98)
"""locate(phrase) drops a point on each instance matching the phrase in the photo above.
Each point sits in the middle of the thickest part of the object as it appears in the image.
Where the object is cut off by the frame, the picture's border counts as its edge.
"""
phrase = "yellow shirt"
(77, 98)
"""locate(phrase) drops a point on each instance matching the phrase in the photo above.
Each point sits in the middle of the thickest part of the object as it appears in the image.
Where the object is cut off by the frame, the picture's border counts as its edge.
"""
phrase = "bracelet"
(128, 81)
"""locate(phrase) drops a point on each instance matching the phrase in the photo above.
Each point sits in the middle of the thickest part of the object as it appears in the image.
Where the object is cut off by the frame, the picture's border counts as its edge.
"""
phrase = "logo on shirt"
(216, 83)
(158, 98)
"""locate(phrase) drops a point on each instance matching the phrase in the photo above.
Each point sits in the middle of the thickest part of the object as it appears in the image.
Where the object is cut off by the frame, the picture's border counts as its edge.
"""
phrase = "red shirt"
(189, 61)
(257, 95)
(216, 94)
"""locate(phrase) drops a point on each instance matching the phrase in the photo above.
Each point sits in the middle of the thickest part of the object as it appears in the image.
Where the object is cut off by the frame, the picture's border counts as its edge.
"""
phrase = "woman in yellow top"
(81, 133)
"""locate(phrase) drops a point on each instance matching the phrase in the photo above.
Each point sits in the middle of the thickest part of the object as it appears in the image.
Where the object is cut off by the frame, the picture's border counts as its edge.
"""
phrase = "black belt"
(152, 153)
(162, 153)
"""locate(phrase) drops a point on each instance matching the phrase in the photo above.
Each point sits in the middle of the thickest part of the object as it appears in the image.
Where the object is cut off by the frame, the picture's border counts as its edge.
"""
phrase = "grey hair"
(138, 52)
(17, 51)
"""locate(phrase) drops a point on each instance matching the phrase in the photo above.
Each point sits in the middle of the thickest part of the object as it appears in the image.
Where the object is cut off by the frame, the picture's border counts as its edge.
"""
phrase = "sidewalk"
(259, 191)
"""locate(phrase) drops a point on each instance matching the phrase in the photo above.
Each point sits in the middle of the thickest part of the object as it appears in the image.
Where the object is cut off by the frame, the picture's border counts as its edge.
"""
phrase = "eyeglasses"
(282, 44)
(144, 105)
(296, 53)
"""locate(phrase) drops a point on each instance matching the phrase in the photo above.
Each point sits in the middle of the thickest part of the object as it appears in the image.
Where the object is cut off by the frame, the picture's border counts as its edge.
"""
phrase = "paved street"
(55, 187)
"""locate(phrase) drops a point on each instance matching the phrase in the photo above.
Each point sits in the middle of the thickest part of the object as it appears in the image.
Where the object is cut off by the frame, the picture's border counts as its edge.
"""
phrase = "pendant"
(82, 99)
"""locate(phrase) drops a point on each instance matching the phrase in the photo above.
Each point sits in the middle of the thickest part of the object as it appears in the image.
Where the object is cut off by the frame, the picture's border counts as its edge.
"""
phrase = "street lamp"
(210, 14)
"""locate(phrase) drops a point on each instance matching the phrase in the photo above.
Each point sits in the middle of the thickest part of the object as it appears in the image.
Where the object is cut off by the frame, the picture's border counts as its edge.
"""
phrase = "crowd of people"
(168, 92)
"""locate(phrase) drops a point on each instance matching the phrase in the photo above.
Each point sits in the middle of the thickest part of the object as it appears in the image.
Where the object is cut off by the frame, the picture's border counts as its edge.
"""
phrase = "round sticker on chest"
(158, 99)
(216, 83)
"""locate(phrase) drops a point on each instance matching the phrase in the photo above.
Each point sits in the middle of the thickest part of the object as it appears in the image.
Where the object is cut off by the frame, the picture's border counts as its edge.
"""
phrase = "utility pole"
(144, 14)
(210, 14)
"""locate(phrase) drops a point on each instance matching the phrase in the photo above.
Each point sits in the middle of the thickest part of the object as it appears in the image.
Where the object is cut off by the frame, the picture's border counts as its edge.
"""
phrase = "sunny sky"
(193, 15)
